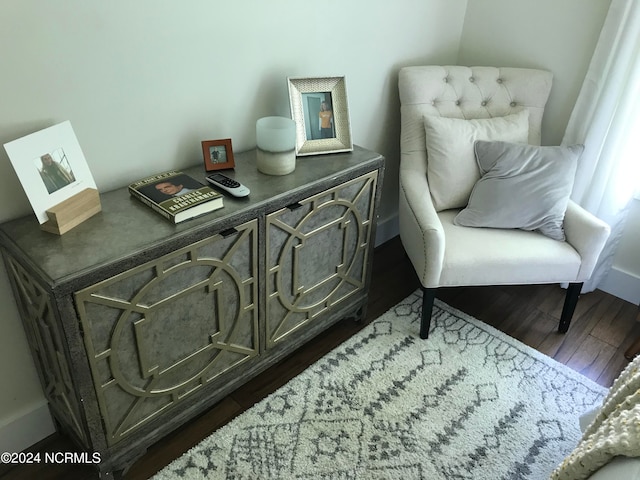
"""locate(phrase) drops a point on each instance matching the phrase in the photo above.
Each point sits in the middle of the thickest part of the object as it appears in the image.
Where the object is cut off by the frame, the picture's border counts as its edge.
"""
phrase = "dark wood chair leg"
(633, 350)
(428, 297)
(570, 302)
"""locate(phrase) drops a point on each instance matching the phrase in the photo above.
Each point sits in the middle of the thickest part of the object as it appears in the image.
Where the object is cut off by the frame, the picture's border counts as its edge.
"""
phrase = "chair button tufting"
(446, 79)
(499, 80)
(513, 104)
(471, 79)
(457, 102)
(484, 103)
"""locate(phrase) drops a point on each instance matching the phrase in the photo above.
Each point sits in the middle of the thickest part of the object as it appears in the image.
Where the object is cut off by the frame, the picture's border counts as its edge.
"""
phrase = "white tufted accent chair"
(444, 254)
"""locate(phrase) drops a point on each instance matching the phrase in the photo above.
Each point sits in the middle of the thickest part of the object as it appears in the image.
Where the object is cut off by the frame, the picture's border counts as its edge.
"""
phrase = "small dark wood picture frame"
(217, 154)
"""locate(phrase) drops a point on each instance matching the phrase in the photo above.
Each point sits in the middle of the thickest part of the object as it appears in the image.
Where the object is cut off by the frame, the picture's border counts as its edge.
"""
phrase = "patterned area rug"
(468, 403)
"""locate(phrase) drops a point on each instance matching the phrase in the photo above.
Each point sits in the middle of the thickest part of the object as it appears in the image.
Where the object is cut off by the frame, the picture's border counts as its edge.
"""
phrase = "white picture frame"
(311, 138)
(50, 166)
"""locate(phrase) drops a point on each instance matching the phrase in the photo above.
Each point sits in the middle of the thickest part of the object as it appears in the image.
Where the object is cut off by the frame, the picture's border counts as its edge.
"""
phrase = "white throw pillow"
(452, 170)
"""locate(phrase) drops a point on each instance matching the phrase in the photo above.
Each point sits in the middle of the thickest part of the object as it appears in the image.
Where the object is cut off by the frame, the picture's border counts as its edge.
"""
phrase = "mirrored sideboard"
(137, 325)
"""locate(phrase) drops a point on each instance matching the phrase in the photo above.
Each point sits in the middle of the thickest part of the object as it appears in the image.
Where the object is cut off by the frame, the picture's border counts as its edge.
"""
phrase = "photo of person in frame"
(318, 115)
(54, 170)
(326, 121)
(218, 154)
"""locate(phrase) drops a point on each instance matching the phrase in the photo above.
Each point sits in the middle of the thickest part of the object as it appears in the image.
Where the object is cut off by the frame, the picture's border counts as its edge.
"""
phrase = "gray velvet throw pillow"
(521, 186)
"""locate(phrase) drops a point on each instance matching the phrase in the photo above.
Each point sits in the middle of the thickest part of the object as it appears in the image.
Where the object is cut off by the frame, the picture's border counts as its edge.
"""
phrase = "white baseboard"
(622, 284)
(26, 429)
(387, 229)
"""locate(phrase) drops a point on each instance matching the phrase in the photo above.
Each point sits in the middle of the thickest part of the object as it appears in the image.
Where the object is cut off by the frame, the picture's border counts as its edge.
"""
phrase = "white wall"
(558, 36)
(144, 82)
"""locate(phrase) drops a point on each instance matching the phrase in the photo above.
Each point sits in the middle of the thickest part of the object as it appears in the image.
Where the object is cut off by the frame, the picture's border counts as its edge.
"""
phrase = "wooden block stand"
(72, 212)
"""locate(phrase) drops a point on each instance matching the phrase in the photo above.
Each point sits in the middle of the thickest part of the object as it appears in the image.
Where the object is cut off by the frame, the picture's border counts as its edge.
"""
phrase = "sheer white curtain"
(606, 119)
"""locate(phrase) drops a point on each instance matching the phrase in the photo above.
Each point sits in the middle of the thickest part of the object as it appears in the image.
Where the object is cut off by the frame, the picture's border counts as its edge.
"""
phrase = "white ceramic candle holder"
(276, 139)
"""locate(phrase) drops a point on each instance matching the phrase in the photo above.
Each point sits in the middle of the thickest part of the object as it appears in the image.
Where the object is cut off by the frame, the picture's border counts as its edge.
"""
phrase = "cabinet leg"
(360, 314)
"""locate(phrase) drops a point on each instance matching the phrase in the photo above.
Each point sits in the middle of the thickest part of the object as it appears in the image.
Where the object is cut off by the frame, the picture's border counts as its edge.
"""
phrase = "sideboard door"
(159, 332)
(318, 253)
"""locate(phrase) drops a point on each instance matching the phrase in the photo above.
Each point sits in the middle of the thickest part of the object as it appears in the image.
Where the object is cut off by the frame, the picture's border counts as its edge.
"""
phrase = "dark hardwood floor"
(602, 329)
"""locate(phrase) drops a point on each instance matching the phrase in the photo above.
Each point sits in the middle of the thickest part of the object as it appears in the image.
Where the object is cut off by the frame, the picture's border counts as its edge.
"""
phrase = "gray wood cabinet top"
(127, 232)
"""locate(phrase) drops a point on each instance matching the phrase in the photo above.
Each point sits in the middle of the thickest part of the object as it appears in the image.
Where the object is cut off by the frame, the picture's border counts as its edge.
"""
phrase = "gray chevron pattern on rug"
(468, 403)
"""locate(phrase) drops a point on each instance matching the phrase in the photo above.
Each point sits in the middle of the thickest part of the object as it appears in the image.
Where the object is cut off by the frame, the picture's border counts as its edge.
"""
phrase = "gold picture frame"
(320, 109)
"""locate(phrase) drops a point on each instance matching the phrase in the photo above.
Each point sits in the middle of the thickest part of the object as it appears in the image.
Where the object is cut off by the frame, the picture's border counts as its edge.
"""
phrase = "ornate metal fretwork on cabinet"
(137, 325)
(304, 277)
